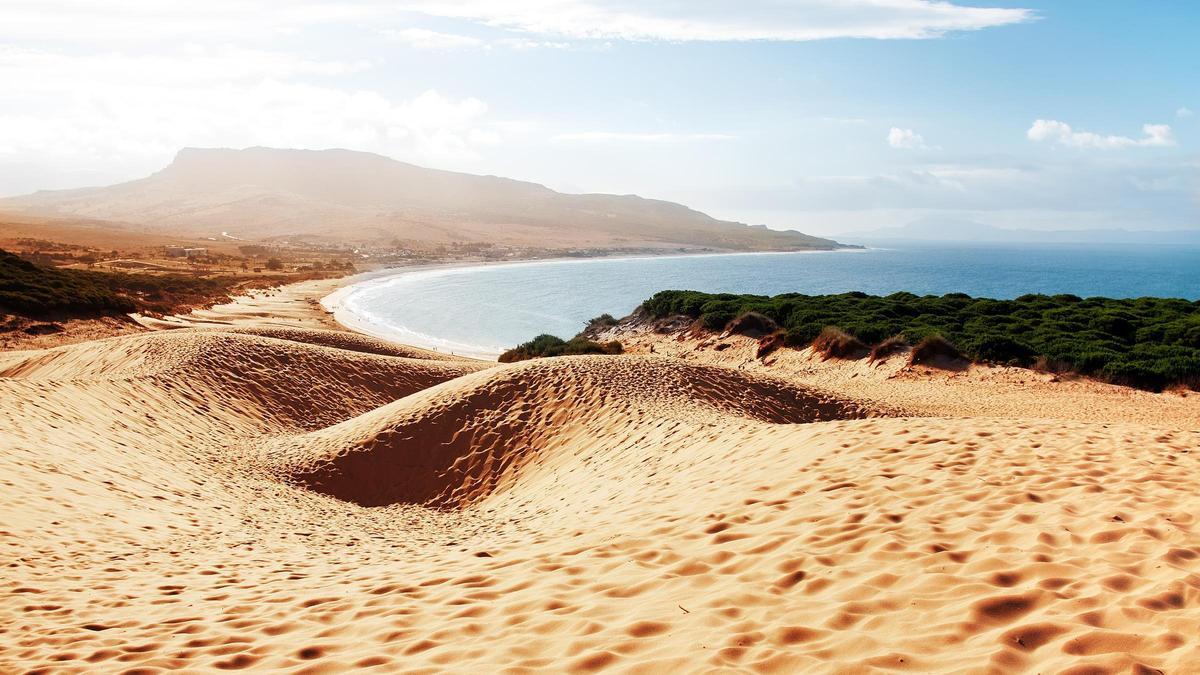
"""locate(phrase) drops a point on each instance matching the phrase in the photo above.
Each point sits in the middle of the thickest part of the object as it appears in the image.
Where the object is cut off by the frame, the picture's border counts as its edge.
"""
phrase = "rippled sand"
(312, 501)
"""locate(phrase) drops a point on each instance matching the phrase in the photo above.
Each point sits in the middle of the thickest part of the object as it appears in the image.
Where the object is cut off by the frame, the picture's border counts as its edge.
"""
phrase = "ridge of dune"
(453, 444)
(340, 339)
(171, 503)
(251, 376)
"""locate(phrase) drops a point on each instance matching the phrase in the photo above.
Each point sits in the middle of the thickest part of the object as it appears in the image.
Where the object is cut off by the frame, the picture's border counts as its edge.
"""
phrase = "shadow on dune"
(457, 443)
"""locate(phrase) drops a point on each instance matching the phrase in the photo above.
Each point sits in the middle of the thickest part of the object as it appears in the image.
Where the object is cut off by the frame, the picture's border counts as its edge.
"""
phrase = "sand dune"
(353, 342)
(219, 501)
(455, 444)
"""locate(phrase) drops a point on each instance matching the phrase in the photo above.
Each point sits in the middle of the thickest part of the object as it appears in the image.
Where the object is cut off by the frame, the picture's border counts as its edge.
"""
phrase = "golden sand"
(296, 499)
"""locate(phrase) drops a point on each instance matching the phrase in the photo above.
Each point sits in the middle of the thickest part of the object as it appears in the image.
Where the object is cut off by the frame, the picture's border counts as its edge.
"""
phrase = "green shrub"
(1147, 342)
(604, 320)
(36, 291)
(28, 289)
(999, 348)
(550, 345)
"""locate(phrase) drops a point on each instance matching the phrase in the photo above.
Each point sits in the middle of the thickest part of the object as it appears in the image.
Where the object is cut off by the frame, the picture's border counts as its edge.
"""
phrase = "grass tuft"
(835, 343)
(892, 345)
(752, 324)
(934, 350)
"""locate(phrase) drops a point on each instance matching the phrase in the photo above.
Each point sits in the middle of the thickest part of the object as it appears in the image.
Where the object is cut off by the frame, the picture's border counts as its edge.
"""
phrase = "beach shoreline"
(335, 302)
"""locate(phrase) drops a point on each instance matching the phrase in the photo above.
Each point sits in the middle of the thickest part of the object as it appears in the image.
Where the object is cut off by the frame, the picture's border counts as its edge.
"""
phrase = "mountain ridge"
(261, 193)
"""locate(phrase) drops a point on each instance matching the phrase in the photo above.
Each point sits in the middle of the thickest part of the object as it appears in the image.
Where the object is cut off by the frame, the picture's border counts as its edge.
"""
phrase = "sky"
(827, 116)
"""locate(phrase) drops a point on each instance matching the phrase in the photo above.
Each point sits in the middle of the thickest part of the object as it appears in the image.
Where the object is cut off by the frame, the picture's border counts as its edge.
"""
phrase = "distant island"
(376, 205)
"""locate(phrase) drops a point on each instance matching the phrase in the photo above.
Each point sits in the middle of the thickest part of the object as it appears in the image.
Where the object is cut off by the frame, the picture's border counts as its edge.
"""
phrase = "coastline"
(319, 303)
(294, 305)
(335, 302)
(334, 305)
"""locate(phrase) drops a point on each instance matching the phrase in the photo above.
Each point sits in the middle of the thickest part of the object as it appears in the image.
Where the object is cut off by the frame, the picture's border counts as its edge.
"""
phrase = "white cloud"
(135, 122)
(710, 20)
(26, 70)
(81, 22)
(905, 139)
(129, 113)
(623, 137)
(1184, 112)
(1061, 133)
(420, 38)
(522, 44)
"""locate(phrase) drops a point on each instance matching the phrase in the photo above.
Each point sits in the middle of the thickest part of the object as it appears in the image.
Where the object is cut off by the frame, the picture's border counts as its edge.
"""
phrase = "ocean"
(483, 310)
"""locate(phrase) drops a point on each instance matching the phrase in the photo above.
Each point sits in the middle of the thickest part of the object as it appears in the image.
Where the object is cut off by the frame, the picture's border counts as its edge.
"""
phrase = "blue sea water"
(483, 310)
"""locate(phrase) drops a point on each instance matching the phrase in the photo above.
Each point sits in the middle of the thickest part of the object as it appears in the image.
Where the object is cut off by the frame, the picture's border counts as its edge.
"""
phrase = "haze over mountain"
(962, 230)
(342, 195)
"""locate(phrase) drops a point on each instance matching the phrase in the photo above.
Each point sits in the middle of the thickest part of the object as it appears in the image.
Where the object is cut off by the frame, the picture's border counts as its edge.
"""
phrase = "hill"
(345, 196)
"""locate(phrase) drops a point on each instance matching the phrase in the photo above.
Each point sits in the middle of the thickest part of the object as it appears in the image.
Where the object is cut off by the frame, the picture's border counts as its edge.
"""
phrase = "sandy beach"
(410, 328)
(258, 489)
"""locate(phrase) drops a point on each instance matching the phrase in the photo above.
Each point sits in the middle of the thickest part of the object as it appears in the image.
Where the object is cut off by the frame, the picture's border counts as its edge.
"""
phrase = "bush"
(550, 345)
(803, 335)
(32, 290)
(1103, 337)
(999, 349)
(36, 291)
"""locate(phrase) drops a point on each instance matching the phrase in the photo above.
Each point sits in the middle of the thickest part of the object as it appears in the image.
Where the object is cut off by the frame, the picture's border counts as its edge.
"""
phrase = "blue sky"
(824, 115)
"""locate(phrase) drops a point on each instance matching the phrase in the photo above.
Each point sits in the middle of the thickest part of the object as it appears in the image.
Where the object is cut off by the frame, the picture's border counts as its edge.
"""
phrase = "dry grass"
(767, 344)
(835, 343)
(890, 346)
(753, 324)
(935, 350)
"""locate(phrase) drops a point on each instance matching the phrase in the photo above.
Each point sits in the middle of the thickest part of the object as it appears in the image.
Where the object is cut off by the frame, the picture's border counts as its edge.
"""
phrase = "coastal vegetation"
(30, 289)
(549, 345)
(33, 290)
(1144, 342)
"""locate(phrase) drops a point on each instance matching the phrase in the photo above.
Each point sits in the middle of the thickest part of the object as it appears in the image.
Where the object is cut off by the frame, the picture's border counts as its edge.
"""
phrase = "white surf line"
(336, 302)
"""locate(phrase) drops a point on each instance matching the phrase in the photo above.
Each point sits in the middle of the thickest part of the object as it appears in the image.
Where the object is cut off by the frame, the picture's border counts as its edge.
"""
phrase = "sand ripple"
(196, 499)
